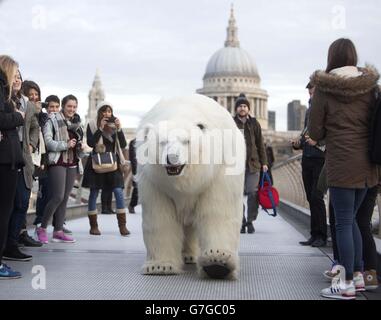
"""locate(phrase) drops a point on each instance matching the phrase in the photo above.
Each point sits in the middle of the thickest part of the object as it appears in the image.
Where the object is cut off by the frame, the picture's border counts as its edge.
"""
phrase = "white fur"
(194, 217)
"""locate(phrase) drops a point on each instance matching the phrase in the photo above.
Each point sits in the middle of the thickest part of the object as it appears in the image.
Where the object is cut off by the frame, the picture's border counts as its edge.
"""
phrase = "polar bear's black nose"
(172, 159)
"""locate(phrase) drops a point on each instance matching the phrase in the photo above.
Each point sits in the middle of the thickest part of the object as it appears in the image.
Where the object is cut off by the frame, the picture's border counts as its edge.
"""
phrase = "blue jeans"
(119, 197)
(20, 208)
(346, 203)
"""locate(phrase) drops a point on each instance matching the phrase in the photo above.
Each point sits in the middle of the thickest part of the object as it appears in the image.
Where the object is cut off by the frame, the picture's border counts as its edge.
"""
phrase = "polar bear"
(191, 161)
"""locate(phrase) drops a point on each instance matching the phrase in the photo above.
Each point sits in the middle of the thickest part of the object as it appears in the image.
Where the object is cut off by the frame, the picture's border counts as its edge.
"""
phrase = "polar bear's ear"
(201, 126)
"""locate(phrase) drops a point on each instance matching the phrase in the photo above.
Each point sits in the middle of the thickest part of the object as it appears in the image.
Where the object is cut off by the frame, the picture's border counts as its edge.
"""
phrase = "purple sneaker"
(42, 235)
(60, 236)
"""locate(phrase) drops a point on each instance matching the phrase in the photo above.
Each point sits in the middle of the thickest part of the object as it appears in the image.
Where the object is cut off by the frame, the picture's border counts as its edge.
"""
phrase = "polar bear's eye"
(201, 126)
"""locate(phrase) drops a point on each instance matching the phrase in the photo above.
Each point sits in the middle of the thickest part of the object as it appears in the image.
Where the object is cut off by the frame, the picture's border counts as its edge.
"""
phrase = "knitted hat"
(104, 103)
(242, 100)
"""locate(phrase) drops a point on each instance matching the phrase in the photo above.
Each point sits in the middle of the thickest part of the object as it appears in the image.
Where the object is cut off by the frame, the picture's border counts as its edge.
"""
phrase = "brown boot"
(370, 278)
(122, 223)
(94, 225)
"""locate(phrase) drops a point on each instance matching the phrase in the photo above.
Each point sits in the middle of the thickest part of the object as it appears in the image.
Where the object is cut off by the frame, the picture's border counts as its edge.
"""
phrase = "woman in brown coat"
(340, 114)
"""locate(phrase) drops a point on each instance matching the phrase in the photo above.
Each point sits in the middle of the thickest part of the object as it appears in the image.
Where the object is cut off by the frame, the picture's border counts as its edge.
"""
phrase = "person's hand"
(30, 149)
(42, 167)
(103, 123)
(117, 123)
(310, 141)
(71, 144)
(295, 143)
(265, 168)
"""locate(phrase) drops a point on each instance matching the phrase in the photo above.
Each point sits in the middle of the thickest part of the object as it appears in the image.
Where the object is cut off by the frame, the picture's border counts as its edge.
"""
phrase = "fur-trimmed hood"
(347, 82)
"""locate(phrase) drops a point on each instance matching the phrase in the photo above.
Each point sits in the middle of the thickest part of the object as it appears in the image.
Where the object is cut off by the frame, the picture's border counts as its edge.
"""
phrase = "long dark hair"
(100, 114)
(341, 53)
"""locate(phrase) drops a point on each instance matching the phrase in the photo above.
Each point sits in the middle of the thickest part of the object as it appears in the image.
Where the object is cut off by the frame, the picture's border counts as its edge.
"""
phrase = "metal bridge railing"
(289, 182)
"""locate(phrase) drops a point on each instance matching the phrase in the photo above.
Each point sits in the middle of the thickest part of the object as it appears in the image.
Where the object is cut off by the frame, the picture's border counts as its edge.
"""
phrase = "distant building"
(296, 113)
(96, 95)
(272, 120)
(231, 71)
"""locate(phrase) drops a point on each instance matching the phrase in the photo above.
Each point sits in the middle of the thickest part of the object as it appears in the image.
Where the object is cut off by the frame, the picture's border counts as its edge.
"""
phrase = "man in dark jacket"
(256, 159)
(312, 164)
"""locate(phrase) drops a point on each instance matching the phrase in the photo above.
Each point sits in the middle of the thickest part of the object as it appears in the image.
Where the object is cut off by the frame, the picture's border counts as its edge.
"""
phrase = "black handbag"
(104, 162)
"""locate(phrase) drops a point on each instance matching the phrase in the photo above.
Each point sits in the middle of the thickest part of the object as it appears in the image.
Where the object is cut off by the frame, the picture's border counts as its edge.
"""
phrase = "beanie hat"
(242, 100)
(104, 103)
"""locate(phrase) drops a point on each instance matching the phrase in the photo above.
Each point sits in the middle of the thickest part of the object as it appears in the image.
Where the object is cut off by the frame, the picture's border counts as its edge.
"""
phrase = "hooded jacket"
(340, 114)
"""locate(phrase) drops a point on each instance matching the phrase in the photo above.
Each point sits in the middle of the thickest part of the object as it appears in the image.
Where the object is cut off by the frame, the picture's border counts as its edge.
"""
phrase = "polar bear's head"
(188, 140)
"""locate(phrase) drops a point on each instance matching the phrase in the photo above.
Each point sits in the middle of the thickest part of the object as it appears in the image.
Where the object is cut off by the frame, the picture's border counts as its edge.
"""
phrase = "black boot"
(27, 241)
(308, 242)
(13, 253)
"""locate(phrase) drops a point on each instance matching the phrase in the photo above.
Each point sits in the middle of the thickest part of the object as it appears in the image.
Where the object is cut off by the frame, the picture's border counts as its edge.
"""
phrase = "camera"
(74, 126)
(44, 105)
(111, 119)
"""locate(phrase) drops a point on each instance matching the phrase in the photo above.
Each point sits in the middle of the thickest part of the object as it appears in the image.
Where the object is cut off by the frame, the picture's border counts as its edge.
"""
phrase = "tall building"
(296, 113)
(96, 95)
(231, 71)
(272, 120)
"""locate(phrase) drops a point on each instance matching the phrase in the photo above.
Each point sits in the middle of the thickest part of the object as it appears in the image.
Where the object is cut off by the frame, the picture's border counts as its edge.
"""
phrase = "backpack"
(375, 132)
(268, 196)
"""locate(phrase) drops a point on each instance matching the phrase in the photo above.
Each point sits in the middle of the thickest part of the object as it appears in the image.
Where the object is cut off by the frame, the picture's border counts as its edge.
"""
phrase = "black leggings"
(364, 221)
(8, 184)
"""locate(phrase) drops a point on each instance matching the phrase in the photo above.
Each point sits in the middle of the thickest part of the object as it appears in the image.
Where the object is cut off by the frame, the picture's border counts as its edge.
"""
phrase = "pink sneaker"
(60, 236)
(42, 235)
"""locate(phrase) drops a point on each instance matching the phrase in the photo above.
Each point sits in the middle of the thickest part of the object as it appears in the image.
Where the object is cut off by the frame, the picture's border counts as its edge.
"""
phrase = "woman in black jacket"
(11, 158)
(103, 135)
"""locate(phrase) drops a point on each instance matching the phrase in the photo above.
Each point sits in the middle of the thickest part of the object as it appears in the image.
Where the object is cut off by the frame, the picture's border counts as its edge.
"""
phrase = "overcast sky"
(146, 49)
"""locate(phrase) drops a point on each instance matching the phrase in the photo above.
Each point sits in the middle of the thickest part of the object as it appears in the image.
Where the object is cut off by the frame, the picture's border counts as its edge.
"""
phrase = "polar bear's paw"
(160, 268)
(189, 259)
(218, 264)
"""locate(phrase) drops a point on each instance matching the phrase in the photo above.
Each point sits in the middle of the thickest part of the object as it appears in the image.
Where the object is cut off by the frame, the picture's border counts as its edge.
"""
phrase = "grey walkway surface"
(273, 266)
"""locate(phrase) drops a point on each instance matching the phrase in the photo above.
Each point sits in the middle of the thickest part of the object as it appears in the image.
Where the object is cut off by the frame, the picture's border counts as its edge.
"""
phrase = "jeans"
(251, 189)
(8, 185)
(346, 203)
(20, 208)
(119, 197)
(364, 221)
(42, 199)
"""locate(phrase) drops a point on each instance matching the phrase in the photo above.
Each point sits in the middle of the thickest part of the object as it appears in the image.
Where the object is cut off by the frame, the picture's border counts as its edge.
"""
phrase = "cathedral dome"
(231, 62)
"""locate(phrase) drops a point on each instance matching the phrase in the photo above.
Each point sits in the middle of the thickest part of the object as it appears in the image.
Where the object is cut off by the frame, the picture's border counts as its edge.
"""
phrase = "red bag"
(268, 196)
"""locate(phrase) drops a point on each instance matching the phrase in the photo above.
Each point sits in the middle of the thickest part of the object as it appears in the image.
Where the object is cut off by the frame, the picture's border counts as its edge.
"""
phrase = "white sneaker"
(359, 282)
(339, 289)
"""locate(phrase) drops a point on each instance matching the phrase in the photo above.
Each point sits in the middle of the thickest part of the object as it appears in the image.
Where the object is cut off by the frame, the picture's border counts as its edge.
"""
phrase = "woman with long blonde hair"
(11, 158)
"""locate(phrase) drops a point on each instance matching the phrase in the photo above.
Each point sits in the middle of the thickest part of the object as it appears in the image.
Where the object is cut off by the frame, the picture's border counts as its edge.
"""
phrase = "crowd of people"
(48, 146)
(44, 141)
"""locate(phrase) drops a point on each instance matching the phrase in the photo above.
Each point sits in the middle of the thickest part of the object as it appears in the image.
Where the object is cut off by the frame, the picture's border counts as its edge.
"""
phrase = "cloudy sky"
(146, 49)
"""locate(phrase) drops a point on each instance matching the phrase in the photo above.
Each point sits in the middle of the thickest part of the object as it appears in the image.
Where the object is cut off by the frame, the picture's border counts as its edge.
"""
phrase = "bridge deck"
(273, 266)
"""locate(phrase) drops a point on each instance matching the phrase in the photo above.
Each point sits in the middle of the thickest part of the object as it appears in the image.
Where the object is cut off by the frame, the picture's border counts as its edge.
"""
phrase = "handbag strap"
(119, 150)
(272, 203)
(266, 176)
